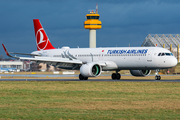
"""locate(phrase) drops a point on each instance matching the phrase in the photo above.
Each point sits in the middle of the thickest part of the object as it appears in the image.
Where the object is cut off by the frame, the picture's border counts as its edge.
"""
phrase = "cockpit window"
(159, 54)
(165, 54)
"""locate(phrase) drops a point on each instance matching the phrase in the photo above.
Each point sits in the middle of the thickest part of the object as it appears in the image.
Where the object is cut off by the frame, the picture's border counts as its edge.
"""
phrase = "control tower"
(92, 23)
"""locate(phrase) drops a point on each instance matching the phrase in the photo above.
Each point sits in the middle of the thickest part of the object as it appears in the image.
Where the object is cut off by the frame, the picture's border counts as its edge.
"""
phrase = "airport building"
(12, 64)
(25, 66)
(168, 41)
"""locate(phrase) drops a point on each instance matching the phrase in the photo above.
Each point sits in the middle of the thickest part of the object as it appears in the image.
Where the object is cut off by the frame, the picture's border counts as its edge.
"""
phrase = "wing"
(24, 54)
(9, 53)
(57, 62)
(51, 60)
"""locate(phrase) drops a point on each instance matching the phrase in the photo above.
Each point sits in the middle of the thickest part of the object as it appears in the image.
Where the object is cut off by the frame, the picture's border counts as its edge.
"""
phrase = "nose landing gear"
(157, 77)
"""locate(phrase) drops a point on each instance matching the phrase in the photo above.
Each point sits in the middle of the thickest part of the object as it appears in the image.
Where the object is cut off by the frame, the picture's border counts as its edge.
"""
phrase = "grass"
(89, 100)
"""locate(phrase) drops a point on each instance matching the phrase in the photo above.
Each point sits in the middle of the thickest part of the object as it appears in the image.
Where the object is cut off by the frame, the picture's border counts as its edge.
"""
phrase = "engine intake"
(90, 70)
(142, 73)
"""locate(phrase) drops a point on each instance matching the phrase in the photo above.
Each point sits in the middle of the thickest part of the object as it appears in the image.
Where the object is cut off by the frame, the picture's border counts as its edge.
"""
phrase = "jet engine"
(142, 73)
(90, 70)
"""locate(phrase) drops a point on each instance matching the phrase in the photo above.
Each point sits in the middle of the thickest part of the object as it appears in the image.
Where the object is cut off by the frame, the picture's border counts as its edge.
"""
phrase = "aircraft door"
(101, 55)
(149, 55)
(92, 59)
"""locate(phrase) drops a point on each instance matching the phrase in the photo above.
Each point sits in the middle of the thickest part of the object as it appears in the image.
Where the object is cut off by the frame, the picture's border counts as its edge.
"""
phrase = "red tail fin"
(42, 40)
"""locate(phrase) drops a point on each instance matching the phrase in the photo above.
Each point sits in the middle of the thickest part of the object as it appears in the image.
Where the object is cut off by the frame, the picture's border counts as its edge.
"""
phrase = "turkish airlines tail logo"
(42, 41)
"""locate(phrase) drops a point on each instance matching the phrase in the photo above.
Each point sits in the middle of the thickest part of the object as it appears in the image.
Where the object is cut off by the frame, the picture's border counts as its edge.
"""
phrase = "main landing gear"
(82, 77)
(157, 77)
(116, 76)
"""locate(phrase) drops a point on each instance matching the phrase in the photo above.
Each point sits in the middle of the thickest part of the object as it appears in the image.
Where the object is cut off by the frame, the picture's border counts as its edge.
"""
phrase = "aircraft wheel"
(157, 77)
(114, 76)
(118, 76)
(81, 77)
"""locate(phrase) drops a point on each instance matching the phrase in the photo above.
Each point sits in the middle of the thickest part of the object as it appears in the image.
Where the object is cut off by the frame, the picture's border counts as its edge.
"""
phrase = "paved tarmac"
(95, 80)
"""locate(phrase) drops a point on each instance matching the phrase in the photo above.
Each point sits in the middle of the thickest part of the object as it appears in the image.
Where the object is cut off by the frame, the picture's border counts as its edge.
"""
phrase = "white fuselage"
(126, 58)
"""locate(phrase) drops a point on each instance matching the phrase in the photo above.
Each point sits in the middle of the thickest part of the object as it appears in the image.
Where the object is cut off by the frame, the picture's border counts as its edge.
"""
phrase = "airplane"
(7, 69)
(92, 61)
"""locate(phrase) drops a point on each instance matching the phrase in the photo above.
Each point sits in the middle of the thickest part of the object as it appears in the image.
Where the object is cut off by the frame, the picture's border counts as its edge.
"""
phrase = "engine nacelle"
(141, 73)
(90, 70)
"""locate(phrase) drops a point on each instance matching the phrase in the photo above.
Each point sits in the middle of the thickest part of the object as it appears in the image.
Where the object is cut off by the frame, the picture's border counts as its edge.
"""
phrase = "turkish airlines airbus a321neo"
(92, 61)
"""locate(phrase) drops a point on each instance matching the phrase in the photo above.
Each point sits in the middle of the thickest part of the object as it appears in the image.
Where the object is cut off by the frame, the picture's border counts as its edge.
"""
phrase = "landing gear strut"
(82, 77)
(116, 76)
(157, 77)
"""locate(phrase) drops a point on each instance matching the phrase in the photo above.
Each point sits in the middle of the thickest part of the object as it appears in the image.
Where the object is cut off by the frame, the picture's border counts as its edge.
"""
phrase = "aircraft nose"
(174, 62)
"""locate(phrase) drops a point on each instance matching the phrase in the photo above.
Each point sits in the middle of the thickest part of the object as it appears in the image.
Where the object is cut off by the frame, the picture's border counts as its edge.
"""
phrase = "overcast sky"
(123, 22)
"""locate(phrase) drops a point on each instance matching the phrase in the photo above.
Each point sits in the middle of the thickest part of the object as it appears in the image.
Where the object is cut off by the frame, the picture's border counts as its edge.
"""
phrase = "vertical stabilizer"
(42, 40)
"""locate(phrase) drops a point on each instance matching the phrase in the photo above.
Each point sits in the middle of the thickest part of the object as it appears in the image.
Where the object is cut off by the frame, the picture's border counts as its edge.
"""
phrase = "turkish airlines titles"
(132, 51)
